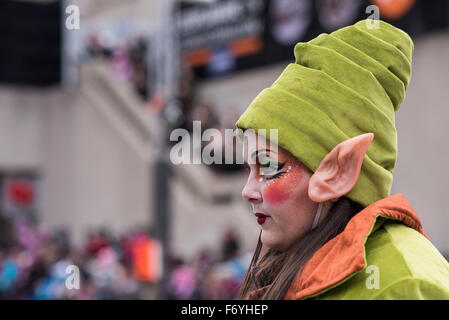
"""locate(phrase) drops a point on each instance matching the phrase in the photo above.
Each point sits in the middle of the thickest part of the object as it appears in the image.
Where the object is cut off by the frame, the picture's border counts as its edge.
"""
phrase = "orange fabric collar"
(344, 254)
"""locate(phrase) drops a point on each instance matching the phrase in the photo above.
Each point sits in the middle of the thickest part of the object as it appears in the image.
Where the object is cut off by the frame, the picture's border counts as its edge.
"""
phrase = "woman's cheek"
(280, 190)
(276, 193)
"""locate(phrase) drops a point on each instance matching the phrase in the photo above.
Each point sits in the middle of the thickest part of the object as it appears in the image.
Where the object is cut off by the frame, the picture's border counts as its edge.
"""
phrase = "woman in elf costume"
(320, 189)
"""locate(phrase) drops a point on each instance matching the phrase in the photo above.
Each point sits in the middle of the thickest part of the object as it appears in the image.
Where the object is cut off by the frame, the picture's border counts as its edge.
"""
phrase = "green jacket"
(382, 254)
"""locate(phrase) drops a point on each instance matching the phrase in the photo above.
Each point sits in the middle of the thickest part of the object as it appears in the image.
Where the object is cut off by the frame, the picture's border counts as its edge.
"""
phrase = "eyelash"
(277, 175)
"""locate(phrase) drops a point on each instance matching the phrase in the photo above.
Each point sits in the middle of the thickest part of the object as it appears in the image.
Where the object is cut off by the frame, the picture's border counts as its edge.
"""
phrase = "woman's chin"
(269, 240)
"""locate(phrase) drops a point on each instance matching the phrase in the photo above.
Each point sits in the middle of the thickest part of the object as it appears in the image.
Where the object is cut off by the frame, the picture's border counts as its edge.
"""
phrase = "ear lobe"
(339, 170)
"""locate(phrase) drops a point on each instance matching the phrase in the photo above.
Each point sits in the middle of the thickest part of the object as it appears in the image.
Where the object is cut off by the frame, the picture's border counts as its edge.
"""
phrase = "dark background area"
(30, 42)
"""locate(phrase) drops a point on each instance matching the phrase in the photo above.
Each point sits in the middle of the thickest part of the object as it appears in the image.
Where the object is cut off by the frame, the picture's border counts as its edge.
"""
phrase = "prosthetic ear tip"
(370, 135)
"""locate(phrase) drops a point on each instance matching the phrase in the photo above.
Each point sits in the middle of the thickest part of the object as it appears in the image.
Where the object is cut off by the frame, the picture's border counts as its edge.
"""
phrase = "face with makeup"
(277, 189)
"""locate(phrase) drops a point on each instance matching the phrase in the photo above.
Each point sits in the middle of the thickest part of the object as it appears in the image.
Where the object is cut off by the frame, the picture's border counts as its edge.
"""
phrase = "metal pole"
(166, 85)
(163, 216)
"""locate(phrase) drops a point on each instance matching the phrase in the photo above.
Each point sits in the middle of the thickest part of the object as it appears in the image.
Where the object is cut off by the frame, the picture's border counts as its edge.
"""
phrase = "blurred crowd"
(210, 276)
(35, 266)
(126, 58)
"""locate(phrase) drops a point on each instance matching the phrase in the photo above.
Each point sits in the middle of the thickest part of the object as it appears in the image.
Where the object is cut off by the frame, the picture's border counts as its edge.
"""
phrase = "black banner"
(219, 309)
(231, 35)
(30, 42)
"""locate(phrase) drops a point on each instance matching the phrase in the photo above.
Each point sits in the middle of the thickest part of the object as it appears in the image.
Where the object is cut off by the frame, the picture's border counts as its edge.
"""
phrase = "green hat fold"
(341, 85)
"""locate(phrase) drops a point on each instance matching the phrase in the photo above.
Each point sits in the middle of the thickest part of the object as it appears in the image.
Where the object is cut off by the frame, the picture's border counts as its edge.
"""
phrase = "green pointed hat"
(342, 85)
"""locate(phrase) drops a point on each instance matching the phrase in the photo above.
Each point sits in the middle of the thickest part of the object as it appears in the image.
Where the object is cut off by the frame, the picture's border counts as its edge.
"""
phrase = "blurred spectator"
(127, 59)
(230, 245)
(139, 66)
(35, 267)
(96, 242)
(182, 282)
(205, 113)
(9, 273)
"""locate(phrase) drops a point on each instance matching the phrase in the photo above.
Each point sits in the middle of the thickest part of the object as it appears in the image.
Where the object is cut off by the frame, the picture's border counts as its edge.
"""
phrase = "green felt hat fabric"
(342, 85)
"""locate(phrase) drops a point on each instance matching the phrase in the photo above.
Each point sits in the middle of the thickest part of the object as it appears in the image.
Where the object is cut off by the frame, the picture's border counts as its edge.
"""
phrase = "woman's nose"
(251, 192)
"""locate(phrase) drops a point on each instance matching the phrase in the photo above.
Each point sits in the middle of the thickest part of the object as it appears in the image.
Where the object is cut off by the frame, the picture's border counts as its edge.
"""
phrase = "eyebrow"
(260, 150)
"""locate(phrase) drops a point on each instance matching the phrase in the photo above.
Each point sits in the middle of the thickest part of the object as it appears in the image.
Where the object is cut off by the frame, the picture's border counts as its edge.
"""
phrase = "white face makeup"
(277, 189)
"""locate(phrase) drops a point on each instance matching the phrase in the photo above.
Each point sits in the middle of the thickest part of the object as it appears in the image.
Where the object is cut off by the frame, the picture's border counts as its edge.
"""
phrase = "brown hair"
(276, 270)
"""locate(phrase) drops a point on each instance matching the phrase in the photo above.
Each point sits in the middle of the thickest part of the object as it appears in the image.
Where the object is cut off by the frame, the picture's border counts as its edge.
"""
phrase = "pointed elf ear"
(339, 170)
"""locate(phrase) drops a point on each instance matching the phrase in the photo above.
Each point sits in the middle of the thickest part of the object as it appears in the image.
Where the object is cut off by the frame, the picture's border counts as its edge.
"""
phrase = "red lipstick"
(260, 218)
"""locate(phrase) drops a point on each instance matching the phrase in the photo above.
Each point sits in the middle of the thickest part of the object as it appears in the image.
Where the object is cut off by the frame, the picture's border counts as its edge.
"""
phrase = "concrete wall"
(21, 128)
(199, 222)
(95, 171)
(421, 172)
(93, 177)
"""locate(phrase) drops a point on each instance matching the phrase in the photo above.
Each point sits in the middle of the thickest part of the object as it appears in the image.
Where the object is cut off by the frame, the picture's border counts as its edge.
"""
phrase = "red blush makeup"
(275, 194)
(280, 189)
